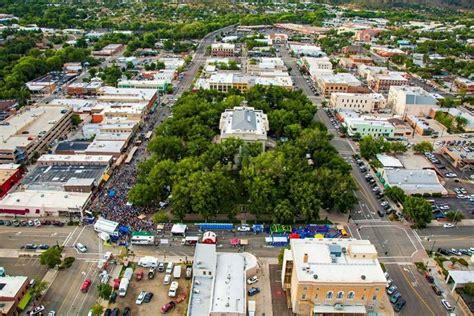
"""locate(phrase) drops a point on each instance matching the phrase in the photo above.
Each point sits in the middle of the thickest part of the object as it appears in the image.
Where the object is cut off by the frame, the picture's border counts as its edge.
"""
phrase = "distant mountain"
(467, 4)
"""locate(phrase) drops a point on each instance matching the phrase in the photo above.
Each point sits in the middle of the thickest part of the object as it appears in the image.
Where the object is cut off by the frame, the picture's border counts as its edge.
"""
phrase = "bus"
(148, 135)
(131, 154)
(142, 238)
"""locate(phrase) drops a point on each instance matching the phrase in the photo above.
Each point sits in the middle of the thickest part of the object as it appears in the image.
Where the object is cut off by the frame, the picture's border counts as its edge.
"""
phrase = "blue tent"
(124, 229)
(112, 193)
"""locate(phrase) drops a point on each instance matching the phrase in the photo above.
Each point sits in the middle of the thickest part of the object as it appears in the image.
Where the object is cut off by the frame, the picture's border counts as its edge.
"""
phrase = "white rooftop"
(36, 199)
(96, 159)
(105, 147)
(355, 262)
(414, 180)
(11, 285)
(389, 161)
(346, 78)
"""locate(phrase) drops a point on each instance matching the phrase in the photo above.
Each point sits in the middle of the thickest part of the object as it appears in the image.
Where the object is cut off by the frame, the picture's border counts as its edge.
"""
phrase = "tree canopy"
(210, 178)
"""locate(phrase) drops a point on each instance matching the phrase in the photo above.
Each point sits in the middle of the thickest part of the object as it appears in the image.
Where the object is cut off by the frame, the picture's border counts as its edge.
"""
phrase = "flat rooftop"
(55, 177)
(106, 146)
(414, 180)
(23, 128)
(356, 261)
(7, 170)
(11, 285)
(33, 199)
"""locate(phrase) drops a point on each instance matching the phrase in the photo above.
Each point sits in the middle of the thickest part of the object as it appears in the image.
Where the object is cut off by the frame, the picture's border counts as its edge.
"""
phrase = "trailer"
(252, 308)
(128, 274)
(142, 238)
(177, 271)
(190, 241)
(215, 226)
(148, 262)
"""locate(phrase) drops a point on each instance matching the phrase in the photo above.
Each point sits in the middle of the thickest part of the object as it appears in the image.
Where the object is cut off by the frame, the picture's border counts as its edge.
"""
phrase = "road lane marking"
(416, 292)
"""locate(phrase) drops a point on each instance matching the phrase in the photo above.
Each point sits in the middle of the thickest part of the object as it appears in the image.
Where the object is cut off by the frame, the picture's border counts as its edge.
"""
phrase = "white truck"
(128, 273)
(123, 287)
(173, 289)
(177, 272)
(252, 307)
(148, 262)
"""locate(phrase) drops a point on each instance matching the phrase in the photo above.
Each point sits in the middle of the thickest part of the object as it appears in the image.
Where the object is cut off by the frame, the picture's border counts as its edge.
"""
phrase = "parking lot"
(160, 296)
(464, 206)
(26, 266)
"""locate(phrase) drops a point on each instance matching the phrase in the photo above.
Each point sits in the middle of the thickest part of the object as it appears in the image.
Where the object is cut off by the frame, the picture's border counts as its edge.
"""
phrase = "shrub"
(463, 262)
(420, 266)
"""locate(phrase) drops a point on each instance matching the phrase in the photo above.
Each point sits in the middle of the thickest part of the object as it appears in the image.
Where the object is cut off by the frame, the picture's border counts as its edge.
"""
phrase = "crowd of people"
(111, 201)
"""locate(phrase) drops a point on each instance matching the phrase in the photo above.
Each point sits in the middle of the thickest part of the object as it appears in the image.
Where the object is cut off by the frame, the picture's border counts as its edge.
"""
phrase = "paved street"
(457, 237)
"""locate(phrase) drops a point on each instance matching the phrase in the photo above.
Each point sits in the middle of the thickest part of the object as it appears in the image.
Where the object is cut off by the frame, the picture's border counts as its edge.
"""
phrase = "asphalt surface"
(457, 237)
(279, 305)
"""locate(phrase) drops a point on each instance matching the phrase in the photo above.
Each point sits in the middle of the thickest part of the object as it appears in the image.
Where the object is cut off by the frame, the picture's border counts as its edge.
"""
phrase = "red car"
(167, 307)
(139, 275)
(116, 284)
(85, 286)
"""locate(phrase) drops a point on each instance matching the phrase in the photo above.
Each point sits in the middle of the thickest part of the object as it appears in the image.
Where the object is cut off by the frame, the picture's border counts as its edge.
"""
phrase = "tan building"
(341, 82)
(360, 102)
(383, 82)
(31, 130)
(333, 277)
(222, 50)
(459, 157)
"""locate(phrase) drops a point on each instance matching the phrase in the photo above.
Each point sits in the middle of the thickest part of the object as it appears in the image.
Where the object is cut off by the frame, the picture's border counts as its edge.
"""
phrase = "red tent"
(209, 238)
(234, 242)
(295, 236)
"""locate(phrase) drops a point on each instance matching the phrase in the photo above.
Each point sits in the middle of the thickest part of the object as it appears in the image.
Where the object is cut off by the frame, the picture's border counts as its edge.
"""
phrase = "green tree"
(51, 257)
(38, 290)
(97, 309)
(418, 210)
(167, 147)
(395, 194)
(76, 119)
(397, 147)
(423, 147)
(455, 216)
(104, 291)
(160, 217)
(469, 288)
(284, 212)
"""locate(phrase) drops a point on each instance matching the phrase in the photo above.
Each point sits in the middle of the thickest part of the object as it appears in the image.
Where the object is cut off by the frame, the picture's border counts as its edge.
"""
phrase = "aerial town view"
(237, 157)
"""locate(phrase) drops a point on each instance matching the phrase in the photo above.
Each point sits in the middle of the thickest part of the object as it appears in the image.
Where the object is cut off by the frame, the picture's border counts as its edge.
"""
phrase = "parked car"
(167, 279)
(113, 297)
(244, 228)
(252, 280)
(161, 267)
(450, 175)
(253, 291)
(167, 307)
(395, 297)
(391, 290)
(446, 305)
(43, 247)
(400, 304)
(31, 246)
(429, 277)
(140, 298)
(126, 311)
(443, 251)
(455, 252)
(449, 225)
(37, 310)
(189, 272)
(115, 312)
(148, 297)
(436, 290)
(108, 312)
(381, 213)
(139, 275)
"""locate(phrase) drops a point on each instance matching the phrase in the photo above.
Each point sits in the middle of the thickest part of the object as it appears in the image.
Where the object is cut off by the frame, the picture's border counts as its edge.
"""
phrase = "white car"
(252, 280)
(82, 248)
(243, 228)
(140, 298)
(451, 175)
(448, 225)
(52, 313)
(38, 309)
(446, 305)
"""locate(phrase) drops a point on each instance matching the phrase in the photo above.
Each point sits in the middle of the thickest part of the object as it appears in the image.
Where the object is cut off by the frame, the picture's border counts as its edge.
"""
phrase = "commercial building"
(278, 38)
(244, 123)
(354, 61)
(172, 63)
(160, 85)
(127, 95)
(414, 181)
(402, 129)
(316, 66)
(365, 125)
(265, 65)
(341, 82)
(223, 50)
(109, 50)
(84, 88)
(456, 112)
(363, 102)
(31, 130)
(7, 108)
(106, 147)
(367, 35)
(301, 49)
(299, 28)
(419, 125)
(224, 81)
(465, 84)
(74, 160)
(12, 290)
(10, 174)
(459, 157)
(409, 100)
(72, 68)
(383, 82)
(70, 148)
(333, 277)
(44, 203)
(219, 282)
(367, 71)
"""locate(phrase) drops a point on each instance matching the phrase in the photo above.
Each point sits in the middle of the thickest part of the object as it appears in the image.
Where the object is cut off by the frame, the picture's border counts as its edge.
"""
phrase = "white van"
(173, 289)
(167, 279)
(177, 272)
(169, 268)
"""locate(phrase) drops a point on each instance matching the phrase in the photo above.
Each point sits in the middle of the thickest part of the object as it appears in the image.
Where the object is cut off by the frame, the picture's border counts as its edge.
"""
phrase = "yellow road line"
(416, 292)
